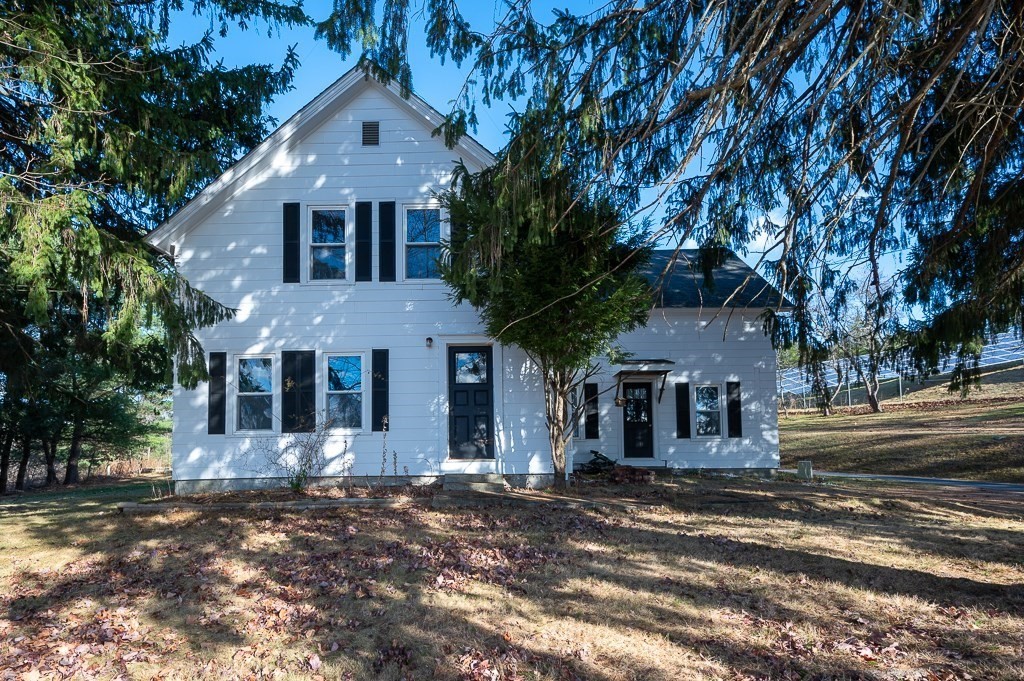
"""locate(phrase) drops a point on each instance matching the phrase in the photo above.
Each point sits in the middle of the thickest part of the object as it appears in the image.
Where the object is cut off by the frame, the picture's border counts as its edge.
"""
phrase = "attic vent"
(371, 133)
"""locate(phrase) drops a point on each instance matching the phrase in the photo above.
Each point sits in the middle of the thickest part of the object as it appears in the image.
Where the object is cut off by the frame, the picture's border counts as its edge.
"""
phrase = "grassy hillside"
(931, 433)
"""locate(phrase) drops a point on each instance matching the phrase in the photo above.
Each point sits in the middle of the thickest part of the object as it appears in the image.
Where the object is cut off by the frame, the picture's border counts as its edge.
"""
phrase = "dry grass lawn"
(711, 580)
(981, 438)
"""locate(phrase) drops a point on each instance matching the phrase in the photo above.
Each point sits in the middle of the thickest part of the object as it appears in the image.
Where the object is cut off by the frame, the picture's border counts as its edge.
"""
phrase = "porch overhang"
(642, 368)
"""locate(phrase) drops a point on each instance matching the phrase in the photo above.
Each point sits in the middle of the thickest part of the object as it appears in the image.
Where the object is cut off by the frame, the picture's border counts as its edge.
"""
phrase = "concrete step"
(490, 487)
(493, 478)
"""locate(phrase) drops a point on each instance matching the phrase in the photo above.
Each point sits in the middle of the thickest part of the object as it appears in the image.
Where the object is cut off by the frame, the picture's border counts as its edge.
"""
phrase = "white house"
(324, 238)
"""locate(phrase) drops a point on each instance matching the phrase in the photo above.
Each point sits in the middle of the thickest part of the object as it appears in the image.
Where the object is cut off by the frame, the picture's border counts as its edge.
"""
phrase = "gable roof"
(678, 280)
(293, 131)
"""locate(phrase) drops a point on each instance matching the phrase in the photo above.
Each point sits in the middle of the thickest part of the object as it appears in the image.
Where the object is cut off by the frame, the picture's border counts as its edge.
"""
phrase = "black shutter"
(388, 250)
(734, 410)
(291, 243)
(298, 391)
(364, 241)
(683, 410)
(591, 428)
(217, 400)
(379, 390)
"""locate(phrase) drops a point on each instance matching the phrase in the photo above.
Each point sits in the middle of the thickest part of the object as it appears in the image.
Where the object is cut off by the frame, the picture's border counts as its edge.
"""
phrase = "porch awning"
(643, 368)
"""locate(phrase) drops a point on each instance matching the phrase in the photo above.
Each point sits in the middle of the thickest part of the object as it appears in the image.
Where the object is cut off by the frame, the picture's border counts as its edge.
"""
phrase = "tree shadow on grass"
(408, 592)
(921, 519)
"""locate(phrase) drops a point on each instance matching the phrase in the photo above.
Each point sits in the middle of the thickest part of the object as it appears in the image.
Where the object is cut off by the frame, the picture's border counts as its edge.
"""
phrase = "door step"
(466, 482)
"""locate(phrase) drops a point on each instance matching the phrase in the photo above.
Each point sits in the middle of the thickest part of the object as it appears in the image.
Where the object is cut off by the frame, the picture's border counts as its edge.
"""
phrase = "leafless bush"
(299, 457)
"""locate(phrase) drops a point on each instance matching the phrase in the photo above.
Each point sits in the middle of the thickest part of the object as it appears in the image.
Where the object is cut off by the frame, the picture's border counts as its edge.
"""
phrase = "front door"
(637, 426)
(470, 403)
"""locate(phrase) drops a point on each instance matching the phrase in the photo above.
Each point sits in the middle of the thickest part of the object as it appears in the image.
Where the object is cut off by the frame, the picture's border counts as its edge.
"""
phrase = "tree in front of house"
(550, 266)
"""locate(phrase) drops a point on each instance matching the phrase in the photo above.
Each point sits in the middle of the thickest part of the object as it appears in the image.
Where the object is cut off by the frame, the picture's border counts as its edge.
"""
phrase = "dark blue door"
(637, 424)
(470, 403)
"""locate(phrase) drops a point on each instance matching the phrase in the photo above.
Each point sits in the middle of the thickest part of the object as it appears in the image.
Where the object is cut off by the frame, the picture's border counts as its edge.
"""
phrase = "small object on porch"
(632, 475)
(599, 463)
(804, 470)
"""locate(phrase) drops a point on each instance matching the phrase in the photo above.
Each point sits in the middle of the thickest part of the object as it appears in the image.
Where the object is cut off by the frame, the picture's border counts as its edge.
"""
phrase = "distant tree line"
(63, 398)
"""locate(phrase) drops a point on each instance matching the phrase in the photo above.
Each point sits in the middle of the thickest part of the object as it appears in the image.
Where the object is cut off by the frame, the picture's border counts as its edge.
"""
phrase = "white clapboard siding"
(233, 252)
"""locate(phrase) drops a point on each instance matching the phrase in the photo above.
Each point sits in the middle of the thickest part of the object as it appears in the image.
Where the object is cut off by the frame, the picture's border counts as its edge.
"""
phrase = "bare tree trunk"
(50, 456)
(74, 452)
(556, 402)
(869, 377)
(5, 459)
(871, 391)
(26, 454)
(826, 396)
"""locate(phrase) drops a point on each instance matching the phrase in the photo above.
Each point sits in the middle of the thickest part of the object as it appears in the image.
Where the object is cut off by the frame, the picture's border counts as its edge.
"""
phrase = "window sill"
(330, 282)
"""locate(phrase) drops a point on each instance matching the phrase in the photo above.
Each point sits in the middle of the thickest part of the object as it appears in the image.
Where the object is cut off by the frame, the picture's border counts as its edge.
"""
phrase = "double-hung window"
(708, 400)
(345, 391)
(327, 244)
(255, 393)
(422, 242)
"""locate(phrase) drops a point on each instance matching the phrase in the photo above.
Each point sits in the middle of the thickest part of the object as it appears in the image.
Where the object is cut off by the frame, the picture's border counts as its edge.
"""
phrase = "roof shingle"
(678, 280)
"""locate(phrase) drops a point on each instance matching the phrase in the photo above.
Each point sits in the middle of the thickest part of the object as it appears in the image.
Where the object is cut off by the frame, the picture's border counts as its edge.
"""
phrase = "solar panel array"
(1005, 348)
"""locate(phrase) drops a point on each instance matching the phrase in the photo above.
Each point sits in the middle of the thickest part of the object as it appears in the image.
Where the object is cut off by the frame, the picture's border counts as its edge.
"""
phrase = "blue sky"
(436, 83)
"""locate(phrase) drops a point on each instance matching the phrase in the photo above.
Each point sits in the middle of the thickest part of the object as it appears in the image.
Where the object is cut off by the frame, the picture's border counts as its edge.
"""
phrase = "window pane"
(470, 367)
(423, 225)
(345, 410)
(328, 262)
(328, 227)
(637, 405)
(707, 398)
(255, 375)
(421, 262)
(709, 423)
(344, 373)
(255, 412)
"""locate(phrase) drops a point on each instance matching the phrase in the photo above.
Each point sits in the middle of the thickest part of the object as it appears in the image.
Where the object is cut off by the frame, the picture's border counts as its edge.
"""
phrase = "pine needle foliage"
(846, 133)
(105, 130)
